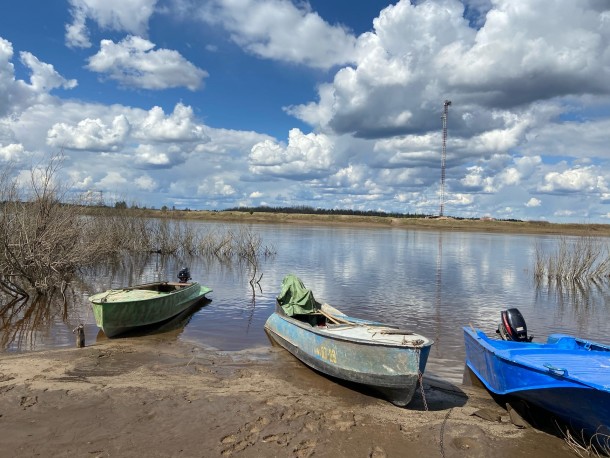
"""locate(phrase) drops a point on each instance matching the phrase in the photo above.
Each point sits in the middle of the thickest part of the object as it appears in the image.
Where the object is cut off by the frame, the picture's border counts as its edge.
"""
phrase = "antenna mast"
(444, 154)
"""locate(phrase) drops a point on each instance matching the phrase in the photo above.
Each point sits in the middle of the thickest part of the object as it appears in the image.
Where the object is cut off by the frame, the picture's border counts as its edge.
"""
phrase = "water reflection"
(48, 321)
(438, 301)
(431, 282)
(579, 303)
(28, 321)
(129, 270)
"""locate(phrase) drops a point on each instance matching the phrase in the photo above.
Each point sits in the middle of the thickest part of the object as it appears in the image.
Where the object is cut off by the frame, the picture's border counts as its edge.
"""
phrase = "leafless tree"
(43, 238)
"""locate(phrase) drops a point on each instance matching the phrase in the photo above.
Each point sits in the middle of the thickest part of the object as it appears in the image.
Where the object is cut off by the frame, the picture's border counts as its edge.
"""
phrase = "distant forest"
(306, 210)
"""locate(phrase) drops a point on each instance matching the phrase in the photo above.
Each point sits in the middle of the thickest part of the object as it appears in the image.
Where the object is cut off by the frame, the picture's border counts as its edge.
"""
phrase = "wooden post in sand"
(80, 335)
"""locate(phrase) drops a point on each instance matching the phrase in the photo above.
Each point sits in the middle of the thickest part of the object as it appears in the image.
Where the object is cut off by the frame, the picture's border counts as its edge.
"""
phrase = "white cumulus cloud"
(11, 152)
(117, 15)
(145, 183)
(585, 179)
(90, 134)
(179, 126)
(306, 155)
(282, 30)
(533, 202)
(112, 180)
(17, 95)
(134, 62)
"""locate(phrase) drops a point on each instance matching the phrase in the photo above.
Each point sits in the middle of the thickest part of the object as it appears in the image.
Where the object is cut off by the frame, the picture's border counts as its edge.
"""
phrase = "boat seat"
(563, 342)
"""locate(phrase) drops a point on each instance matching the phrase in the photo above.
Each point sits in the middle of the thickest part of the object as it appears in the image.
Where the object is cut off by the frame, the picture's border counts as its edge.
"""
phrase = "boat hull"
(120, 311)
(391, 370)
(546, 376)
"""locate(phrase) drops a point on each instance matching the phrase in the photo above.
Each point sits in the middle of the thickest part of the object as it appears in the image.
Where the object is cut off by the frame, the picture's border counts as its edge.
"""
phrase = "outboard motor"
(184, 275)
(512, 326)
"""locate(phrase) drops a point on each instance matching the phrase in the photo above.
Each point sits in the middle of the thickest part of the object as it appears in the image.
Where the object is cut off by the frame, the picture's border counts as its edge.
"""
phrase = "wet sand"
(159, 397)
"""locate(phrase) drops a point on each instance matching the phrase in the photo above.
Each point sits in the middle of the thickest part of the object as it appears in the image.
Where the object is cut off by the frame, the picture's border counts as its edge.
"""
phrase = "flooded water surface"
(433, 283)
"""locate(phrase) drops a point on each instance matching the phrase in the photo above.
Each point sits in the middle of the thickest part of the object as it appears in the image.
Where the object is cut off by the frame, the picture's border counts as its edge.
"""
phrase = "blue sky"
(334, 104)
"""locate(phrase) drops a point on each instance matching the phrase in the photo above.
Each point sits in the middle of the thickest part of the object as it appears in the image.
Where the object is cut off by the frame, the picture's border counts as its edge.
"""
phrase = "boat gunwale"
(160, 295)
(325, 334)
(532, 347)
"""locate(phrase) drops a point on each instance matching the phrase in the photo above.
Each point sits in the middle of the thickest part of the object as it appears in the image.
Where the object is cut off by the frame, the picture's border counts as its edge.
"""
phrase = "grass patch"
(573, 259)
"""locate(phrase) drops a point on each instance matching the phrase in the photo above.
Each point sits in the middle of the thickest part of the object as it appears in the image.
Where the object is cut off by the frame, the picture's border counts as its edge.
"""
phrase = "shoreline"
(156, 396)
(415, 223)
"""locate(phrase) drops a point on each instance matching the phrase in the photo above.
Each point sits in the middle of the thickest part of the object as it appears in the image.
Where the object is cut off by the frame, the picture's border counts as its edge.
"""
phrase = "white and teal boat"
(383, 357)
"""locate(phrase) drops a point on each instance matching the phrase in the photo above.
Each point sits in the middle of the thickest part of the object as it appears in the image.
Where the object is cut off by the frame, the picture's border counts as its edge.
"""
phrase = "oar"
(334, 319)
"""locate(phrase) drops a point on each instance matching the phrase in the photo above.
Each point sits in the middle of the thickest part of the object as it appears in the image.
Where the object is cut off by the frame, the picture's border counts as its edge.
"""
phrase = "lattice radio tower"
(444, 154)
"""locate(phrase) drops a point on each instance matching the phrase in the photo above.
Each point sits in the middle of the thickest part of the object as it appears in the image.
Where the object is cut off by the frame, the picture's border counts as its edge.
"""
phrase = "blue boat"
(566, 376)
(382, 357)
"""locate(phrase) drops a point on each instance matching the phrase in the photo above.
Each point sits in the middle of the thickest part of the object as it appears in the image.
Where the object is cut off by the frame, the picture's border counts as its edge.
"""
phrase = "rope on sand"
(443, 432)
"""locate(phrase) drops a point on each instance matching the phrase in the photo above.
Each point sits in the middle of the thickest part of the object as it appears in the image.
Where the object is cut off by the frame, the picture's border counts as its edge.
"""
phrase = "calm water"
(430, 282)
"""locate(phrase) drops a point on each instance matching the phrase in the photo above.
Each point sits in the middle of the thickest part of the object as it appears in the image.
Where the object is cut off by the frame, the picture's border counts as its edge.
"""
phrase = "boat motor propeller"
(184, 275)
(512, 326)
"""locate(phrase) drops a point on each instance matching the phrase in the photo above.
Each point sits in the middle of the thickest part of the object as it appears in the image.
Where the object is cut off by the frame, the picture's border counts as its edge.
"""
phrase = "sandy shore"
(158, 397)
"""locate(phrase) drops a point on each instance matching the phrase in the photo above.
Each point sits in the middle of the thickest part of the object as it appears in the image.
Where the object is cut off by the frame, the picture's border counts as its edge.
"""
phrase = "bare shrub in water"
(582, 258)
(134, 234)
(188, 238)
(165, 236)
(43, 241)
(127, 233)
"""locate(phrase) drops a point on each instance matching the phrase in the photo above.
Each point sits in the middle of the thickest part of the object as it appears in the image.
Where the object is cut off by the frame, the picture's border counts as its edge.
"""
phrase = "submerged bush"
(45, 239)
(578, 258)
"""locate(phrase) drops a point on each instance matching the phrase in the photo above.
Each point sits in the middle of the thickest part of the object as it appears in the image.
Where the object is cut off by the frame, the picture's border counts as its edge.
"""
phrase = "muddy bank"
(156, 398)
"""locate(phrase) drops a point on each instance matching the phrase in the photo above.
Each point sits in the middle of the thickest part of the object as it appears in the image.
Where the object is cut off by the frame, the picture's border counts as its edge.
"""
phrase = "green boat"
(120, 310)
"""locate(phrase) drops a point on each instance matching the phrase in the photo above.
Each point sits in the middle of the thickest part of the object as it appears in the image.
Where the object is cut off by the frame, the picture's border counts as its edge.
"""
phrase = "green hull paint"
(121, 310)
